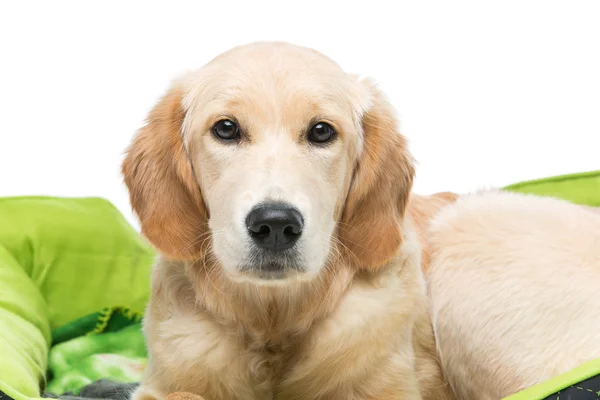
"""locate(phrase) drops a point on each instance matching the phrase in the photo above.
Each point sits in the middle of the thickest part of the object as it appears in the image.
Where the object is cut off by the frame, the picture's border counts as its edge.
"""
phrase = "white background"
(489, 93)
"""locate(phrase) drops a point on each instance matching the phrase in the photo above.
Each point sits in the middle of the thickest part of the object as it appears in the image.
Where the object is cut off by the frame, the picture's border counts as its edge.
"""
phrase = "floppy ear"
(162, 187)
(371, 225)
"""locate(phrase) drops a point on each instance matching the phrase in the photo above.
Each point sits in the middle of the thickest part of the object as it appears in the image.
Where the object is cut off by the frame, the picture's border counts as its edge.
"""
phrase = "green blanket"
(74, 278)
(107, 344)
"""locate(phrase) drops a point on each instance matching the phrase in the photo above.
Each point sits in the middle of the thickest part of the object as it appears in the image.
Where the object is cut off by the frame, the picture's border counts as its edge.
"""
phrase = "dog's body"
(277, 188)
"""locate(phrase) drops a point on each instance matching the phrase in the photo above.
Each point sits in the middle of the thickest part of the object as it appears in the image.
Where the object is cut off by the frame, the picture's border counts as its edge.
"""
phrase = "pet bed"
(74, 280)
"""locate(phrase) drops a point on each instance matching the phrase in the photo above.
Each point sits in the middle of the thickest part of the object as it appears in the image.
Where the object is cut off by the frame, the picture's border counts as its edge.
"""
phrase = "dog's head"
(276, 162)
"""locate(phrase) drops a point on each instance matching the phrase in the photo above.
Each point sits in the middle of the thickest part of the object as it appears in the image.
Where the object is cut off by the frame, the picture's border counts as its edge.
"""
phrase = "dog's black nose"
(275, 226)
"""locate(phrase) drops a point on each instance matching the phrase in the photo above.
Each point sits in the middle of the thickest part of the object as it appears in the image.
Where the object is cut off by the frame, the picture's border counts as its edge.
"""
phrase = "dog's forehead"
(281, 74)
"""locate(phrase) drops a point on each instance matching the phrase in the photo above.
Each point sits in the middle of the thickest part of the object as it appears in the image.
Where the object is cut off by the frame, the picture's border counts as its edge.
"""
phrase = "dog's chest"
(268, 360)
(244, 361)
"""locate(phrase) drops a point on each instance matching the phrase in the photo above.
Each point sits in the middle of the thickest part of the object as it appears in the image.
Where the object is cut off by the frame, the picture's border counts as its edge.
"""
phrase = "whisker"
(194, 241)
(346, 249)
(361, 247)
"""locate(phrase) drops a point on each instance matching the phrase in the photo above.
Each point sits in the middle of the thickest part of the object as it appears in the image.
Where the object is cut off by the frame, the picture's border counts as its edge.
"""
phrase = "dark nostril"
(275, 226)
(290, 231)
(264, 230)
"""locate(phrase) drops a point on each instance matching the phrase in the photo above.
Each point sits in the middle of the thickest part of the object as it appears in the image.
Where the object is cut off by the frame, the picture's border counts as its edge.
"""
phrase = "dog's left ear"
(371, 224)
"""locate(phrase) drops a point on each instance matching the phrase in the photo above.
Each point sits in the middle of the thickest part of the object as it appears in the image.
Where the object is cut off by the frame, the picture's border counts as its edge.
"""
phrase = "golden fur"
(356, 326)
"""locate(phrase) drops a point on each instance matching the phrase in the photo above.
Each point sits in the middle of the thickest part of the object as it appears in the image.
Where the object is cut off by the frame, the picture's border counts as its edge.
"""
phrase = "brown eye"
(226, 129)
(321, 133)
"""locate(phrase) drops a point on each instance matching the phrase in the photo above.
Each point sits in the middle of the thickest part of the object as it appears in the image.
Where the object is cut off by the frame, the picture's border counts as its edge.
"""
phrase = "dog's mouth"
(265, 265)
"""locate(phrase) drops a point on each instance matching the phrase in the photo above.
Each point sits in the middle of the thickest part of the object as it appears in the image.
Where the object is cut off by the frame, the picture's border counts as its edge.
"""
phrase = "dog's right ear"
(162, 188)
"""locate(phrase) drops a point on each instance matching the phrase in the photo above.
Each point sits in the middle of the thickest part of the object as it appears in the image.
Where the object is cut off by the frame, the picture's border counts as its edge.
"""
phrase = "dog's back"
(514, 283)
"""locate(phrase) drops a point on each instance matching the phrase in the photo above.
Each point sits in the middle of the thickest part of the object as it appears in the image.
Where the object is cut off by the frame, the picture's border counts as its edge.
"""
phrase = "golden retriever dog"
(275, 186)
(297, 265)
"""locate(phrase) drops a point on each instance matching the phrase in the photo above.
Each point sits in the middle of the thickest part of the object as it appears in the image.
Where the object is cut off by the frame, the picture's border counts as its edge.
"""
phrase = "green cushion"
(60, 259)
(582, 188)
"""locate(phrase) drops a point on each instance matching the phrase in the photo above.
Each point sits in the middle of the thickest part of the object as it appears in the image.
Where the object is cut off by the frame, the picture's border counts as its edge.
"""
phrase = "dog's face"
(272, 133)
(268, 158)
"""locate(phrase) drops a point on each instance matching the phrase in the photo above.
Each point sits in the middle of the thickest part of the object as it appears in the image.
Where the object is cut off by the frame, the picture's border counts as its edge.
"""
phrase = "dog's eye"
(321, 133)
(226, 129)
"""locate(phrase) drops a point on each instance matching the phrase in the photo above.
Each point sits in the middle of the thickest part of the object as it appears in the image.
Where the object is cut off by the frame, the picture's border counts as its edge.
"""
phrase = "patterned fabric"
(108, 344)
